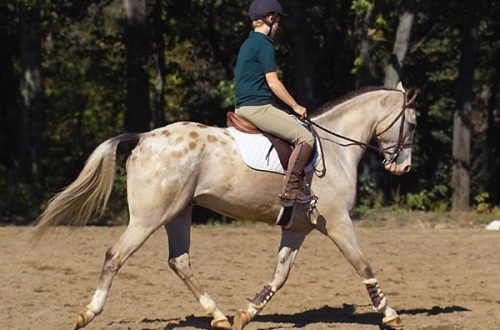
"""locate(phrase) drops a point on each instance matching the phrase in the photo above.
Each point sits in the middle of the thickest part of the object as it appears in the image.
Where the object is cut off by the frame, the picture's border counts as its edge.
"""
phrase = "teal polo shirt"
(255, 58)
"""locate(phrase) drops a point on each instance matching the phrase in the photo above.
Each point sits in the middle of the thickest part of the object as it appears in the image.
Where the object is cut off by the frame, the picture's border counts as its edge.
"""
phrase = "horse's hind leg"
(133, 238)
(178, 242)
(289, 247)
(341, 232)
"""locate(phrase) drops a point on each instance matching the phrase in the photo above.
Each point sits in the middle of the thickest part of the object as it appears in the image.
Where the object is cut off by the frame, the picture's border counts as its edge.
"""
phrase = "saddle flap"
(283, 148)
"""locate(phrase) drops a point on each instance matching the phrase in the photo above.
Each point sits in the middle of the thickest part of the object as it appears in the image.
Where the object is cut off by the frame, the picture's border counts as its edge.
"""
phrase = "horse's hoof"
(241, 319)
(392, 323)
(220, 325)
(82, 319)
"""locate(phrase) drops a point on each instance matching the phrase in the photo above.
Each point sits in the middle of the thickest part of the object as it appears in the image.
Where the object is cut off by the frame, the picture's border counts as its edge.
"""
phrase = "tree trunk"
(394, 70)
(369, 168)
(216, 41)
(493, 132)
(304, 85)
(136, 39)
(364, 30)
(461, 118)
(158, 29)
(31, 114)
(9, 118)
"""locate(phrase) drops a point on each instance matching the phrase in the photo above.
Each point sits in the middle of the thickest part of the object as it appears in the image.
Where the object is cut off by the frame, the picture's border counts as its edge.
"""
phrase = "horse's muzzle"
(398, 169)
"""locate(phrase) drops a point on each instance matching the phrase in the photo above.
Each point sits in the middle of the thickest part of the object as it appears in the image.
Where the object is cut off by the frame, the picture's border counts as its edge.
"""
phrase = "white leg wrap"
(210, 307)
(98, 301)
(389, 314)
(252, 311)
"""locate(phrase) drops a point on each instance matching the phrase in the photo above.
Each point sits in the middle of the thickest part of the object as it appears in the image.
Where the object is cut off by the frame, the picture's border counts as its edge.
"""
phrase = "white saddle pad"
(259, 154)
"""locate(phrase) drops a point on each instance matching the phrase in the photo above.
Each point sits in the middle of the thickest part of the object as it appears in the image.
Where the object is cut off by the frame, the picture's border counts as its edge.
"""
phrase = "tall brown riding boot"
(291, 189)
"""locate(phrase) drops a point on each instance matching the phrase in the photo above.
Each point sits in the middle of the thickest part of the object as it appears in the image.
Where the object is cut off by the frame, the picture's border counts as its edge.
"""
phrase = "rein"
(396, 149)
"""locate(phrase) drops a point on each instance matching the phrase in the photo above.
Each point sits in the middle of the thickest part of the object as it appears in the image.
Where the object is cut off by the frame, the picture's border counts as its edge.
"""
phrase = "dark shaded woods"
(76, 73)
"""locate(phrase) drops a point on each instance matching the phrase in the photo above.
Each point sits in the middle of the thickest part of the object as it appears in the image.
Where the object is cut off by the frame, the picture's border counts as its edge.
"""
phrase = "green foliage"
(358, 66)
(226, 91)
(360, 6)
(381, 25)
(429, 200)
(481, 203)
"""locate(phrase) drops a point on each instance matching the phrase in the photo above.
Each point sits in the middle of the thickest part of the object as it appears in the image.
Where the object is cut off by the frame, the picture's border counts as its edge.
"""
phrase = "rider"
(257, 82)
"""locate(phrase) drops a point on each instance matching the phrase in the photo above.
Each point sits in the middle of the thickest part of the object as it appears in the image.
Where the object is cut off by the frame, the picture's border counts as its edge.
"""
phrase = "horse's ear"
(400, 87)
(411, 96)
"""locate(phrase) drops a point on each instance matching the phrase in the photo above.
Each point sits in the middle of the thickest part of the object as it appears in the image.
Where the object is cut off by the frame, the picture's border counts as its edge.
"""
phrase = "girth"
(283, 147)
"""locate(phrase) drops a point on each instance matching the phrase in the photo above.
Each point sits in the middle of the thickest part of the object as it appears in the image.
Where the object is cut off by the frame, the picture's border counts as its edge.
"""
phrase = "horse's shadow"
(325, 314)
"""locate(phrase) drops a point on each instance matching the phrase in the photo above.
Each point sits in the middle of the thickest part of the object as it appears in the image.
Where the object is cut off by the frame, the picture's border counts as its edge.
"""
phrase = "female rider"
(257, 82)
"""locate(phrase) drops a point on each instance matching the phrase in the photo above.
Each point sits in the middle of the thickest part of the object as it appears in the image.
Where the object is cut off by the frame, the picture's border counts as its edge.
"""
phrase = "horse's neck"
(355, 119)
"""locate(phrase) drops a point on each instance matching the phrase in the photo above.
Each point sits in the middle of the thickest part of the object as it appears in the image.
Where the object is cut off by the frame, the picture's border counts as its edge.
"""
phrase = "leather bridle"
(396, 148)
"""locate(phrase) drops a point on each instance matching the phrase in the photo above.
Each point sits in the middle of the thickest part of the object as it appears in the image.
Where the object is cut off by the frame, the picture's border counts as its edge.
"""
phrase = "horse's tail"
(88, 194)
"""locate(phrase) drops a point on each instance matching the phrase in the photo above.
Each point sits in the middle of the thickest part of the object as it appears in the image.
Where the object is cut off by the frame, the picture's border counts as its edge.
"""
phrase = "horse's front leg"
(341, 232)
(289, 247)
(178, 241)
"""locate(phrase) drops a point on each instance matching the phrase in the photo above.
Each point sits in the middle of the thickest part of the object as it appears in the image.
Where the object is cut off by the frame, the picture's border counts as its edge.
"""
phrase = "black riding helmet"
(262, 8)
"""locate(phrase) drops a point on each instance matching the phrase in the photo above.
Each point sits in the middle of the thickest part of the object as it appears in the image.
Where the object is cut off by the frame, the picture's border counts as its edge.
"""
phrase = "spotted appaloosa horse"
(185, 164)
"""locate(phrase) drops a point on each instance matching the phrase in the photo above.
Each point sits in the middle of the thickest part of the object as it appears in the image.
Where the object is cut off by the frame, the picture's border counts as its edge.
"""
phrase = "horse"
(173, 168)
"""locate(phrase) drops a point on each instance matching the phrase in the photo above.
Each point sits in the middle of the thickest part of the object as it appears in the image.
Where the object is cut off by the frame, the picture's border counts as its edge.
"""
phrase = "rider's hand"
(300, 110)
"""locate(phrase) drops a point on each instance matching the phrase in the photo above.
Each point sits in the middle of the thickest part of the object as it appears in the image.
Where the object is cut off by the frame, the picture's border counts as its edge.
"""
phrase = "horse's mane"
(331, 104)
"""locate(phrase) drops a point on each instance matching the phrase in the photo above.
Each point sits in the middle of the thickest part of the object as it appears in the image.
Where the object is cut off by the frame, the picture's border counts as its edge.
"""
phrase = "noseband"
(397, 148)
(400, 145)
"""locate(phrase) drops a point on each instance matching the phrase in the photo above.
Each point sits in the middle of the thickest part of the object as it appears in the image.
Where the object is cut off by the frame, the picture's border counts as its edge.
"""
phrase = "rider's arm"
(282, 93)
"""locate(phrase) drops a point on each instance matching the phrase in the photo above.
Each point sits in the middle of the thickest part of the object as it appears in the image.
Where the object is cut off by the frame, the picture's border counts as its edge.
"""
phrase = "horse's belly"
(241, 193)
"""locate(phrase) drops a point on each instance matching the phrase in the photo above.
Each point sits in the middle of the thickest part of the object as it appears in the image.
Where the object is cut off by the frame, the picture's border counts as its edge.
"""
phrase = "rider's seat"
(241, 124)
(283, 148)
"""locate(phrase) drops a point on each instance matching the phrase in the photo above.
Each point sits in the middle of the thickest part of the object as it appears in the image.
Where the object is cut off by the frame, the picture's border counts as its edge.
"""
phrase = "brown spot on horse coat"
(192, 145)
(212, 138)
(193, 135)
(201, 126)
(179, 153)
(178, 140)
(166, 133)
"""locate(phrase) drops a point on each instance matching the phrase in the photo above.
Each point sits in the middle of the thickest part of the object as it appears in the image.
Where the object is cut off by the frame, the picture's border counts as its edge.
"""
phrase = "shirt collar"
(254, 34)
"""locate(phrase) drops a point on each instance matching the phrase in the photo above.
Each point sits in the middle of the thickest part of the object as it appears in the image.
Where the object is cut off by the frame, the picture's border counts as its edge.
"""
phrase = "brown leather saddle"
(283, 148)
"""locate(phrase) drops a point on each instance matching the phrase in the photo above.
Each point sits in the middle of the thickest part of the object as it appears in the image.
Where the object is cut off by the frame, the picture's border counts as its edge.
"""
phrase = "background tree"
(365, 31)
(136, 40)
(159, 60)
(393, 71)
(303, 70)
(462, 116)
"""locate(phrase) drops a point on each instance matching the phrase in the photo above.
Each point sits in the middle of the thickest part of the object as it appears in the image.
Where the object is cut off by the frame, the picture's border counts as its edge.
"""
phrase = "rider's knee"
(307, 138)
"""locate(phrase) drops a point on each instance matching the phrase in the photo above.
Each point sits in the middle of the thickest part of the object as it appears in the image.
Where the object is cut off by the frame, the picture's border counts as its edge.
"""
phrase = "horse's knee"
(111, 263)
(181, 266)
(286, 257)
(366, 271)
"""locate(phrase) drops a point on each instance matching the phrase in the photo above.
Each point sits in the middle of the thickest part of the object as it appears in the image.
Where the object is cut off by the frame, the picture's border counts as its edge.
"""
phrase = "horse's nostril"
(407, 169)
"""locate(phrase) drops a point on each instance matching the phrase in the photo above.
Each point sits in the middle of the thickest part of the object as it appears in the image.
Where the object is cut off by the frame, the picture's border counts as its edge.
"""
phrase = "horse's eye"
(412, 126)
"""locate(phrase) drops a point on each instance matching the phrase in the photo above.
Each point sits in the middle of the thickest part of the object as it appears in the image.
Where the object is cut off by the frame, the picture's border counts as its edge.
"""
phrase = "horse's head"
(395, 133)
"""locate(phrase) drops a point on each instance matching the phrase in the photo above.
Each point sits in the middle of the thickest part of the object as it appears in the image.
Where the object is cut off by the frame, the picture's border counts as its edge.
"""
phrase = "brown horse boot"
(292, 192)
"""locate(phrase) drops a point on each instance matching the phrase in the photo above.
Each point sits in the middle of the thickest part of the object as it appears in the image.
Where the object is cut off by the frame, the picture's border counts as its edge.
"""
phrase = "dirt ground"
(437, 278)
